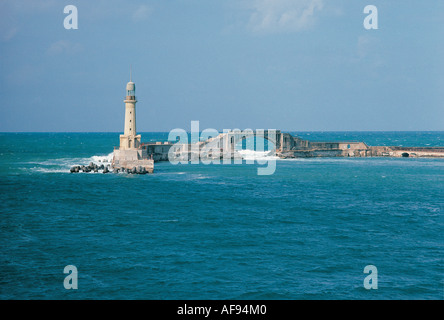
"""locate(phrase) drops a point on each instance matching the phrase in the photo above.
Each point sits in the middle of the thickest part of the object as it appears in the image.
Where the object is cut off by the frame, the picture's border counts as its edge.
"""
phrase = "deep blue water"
(220, 231)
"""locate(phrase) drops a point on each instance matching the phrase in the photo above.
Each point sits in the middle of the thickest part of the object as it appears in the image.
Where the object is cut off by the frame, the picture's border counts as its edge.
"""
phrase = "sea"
(198, 231)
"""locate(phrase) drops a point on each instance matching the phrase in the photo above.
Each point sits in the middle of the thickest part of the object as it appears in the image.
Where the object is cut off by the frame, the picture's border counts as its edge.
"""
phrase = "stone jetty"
(92, 167)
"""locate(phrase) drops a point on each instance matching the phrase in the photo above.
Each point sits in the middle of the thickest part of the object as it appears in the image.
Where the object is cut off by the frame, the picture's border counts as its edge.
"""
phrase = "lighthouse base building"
(130, 155)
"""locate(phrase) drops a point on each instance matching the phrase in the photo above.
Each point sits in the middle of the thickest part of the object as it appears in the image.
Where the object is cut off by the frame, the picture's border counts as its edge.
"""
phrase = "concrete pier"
(286, 146)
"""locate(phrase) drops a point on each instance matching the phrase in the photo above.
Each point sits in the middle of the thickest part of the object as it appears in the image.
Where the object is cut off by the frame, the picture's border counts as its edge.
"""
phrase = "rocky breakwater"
(94, 168)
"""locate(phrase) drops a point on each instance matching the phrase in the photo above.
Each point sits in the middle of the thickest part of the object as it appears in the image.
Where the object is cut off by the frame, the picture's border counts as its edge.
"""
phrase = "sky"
(293, 65)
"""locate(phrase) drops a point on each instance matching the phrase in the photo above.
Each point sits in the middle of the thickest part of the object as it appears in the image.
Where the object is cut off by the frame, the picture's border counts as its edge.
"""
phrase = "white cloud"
(33, 6)
(369, 55)
(25, 74)
(368, 47)
(141, 13)
(11, 15)
(63, 46)
(274, 16)
(8, 33)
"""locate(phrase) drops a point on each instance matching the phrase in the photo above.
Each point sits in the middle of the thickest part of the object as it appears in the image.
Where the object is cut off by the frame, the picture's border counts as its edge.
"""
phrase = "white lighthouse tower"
(131, 154)
(129, 139)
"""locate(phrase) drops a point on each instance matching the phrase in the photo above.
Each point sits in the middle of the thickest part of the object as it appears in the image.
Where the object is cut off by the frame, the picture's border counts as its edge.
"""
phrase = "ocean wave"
(63, 165)
(256, 155)
(102, 159)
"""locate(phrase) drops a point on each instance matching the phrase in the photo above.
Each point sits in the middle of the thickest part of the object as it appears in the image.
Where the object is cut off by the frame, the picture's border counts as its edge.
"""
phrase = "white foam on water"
(49, 170)
(102, 159)
(256, 155)
(63, 165)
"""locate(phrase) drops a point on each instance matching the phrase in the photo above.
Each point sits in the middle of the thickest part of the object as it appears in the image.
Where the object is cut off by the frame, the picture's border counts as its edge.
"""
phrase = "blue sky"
(294, 65)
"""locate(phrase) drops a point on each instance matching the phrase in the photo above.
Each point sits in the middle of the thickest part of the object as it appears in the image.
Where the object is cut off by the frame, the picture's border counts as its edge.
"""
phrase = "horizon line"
(120, 132)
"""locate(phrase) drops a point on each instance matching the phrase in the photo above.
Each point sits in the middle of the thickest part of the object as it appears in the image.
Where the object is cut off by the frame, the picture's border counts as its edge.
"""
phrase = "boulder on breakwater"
(92, 167)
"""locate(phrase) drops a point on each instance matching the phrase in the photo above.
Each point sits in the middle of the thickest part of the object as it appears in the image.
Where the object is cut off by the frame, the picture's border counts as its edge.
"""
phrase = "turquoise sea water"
(220, 231)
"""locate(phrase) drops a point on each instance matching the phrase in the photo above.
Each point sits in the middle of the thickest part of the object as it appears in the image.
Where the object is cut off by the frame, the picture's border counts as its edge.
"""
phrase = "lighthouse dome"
(130, 86)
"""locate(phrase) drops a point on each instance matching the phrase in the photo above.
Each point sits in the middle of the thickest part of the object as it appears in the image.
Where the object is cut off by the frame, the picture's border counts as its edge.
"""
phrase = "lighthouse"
(131, 154)
(129, 139)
